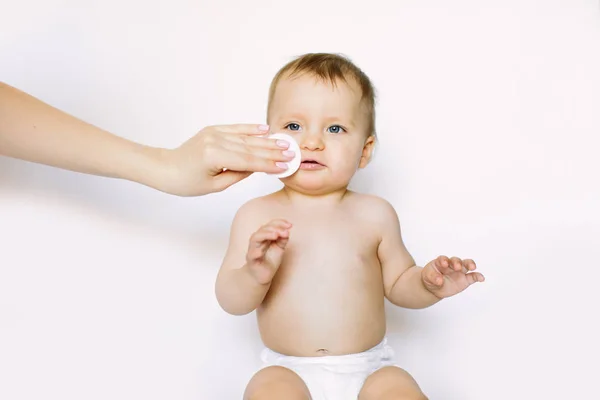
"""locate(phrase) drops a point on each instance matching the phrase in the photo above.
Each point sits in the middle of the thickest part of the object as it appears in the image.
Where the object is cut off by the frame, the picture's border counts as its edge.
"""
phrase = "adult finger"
(225, 179)
(243, 129)
(275, 154)
(244, 162)
(257, 141)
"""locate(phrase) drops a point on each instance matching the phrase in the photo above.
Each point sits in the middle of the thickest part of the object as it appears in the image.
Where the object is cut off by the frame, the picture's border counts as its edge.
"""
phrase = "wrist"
(148, 166)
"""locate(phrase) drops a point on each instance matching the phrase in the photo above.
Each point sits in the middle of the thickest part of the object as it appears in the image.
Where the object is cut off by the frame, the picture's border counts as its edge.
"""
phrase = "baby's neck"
(332, 198)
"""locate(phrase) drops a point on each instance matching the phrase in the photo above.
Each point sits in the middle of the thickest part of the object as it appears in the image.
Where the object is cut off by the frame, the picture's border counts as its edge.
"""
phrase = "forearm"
(237, 291)
(34, 131)
(410, 292)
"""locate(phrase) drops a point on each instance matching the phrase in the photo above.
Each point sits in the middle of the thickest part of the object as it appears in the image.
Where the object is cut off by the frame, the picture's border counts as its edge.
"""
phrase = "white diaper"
(334, 377)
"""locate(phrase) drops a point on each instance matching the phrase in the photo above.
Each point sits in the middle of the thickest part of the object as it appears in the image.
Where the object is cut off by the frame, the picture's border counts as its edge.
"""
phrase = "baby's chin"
(313, 186)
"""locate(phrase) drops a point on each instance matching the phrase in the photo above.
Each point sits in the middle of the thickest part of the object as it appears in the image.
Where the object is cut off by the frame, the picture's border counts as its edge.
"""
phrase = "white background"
(488, 118)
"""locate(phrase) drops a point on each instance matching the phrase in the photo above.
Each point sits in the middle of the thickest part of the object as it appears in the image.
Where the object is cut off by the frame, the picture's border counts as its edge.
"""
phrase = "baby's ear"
(367, 151)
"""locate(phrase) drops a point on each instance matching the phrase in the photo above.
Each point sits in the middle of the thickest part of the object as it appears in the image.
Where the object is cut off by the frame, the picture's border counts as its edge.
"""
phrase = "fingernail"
(281, 165)
(263, 127)
(282, 143)
(289, 153)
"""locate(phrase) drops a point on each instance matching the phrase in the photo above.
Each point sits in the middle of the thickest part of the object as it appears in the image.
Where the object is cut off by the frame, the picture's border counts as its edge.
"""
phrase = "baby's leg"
(391, 383)
(276, 383)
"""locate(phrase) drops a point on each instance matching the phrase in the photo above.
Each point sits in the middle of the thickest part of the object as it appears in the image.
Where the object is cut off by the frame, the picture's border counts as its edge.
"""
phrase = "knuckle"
(211, 148)
(210, 138)
(250, 160)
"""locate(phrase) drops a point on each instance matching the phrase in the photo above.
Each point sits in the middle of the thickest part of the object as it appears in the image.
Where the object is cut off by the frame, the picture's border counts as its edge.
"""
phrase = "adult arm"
(210, 161)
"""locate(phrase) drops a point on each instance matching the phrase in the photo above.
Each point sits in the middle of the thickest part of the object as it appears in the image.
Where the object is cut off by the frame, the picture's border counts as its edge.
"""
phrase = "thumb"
(282, 242)
(275, 254)
(228, 178)
(431, 277)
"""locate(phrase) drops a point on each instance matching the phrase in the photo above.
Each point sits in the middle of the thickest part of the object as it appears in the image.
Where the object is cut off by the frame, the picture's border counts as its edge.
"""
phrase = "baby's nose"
(313, 142)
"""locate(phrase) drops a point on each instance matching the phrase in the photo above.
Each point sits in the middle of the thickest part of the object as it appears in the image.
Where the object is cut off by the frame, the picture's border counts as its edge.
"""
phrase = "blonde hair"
(330, 67)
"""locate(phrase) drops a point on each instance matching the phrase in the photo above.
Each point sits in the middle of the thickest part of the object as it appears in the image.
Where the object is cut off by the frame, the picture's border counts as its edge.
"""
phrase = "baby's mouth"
(312, 162)
(313, 165)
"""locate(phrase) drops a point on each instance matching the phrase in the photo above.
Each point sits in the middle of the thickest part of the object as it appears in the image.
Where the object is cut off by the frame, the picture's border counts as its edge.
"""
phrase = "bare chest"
(335, 241)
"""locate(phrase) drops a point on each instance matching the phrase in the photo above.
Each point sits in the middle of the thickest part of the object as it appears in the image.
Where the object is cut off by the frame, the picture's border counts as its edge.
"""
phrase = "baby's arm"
(253, 257)
(402, 279)
(237, 291)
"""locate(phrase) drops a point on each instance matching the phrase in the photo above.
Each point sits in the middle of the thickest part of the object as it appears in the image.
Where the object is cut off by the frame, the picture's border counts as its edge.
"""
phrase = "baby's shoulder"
(257, 208)
(374, 208)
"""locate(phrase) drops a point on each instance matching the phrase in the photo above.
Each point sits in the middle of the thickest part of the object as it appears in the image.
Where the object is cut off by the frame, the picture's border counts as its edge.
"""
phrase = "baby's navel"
(322, 352)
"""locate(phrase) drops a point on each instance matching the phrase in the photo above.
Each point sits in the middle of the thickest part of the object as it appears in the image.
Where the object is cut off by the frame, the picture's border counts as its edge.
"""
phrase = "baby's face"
(330, 125)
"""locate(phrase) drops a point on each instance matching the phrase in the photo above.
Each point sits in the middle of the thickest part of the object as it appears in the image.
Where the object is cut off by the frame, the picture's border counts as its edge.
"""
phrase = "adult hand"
(220, 156)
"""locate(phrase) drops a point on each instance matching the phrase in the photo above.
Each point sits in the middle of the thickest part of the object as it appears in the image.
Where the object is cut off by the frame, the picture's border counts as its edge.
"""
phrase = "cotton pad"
(293, 164)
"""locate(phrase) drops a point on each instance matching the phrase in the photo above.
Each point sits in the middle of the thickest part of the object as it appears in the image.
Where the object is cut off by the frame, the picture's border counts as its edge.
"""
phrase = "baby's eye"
(293, 126)
(336, 129)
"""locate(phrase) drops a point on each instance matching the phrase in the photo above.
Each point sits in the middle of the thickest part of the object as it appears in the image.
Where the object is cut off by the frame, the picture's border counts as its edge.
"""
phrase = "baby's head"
(327, 104)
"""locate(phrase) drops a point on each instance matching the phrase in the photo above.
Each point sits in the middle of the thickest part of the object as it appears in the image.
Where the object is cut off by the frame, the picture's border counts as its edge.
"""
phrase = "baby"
(316, 261)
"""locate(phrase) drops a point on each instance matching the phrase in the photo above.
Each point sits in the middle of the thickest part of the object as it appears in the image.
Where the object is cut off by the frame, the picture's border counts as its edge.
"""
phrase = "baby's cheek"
(346, 170)
(346, 163)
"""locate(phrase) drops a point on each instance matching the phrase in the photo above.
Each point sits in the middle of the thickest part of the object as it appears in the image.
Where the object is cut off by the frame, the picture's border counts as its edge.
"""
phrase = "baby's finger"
(469, 265)
(282, 242)
(280, 224)
(273, 231)
(433, 277)
(255, 253)
(264, 234)
(442, 264)
(474, 277)
(260, 242)
(456, 264)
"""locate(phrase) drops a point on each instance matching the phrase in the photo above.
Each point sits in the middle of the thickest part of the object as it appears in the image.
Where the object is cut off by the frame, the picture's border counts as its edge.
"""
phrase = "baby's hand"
(446, 277)
(265, 250)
